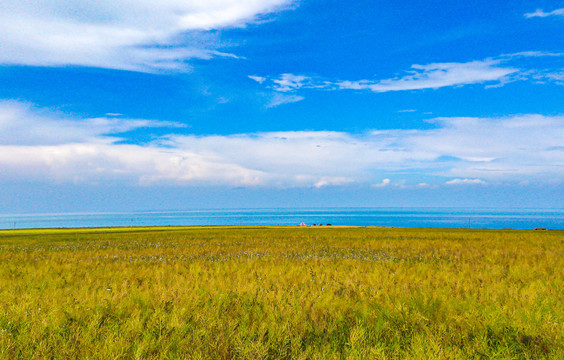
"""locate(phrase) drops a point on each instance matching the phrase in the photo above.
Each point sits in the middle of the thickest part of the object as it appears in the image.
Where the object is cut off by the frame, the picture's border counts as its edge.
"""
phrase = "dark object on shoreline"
(328, 224)
(543, 229)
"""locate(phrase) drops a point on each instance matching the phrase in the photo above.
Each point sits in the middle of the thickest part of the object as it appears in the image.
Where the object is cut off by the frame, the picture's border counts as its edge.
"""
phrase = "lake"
(400, 217)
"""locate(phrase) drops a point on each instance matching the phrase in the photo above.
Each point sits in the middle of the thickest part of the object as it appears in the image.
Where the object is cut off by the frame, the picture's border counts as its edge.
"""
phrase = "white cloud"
(542, 14)
(258, 79)
(529, 54)
(94, 162)
(22, 124)
(334, 181)
(434, 76)
(282, 85)
(40, 145)
(280, 99)
(542, 77)
(494, 72)
(556, 76)
(384, 183)
(140, 35)
(431, 76)
(289, 82)
(466, 182)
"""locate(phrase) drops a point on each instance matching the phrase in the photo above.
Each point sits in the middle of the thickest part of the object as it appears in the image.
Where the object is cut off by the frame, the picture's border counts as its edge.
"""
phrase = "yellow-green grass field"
(281, 293)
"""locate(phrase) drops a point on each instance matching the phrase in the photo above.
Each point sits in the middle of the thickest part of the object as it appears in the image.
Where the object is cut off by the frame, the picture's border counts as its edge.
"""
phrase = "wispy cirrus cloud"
(541, 13)
(283, 85)
(280, 99)
(556, 77)
(289, 82)
(434, 76)
(492, 72)
(148, 35)
(258, 79)
(456, 150)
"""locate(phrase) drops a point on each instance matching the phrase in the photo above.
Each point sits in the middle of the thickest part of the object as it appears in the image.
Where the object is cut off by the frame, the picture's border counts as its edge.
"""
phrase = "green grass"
(281, 293)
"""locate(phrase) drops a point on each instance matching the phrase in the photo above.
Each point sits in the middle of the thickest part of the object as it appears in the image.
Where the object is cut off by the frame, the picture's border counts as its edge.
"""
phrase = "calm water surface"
(403, 217)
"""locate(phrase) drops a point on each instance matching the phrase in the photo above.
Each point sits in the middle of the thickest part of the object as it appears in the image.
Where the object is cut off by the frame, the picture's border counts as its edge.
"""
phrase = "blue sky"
(181, 104)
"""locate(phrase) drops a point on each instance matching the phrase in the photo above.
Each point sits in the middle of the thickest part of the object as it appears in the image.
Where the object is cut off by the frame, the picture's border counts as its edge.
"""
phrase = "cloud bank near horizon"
(455, 151)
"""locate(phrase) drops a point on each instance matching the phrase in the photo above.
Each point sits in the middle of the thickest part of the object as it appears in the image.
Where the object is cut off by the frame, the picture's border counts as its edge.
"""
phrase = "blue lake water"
(401, 217)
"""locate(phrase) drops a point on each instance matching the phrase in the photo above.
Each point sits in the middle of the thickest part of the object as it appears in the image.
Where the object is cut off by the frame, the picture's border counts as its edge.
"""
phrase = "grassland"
(281, 293)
